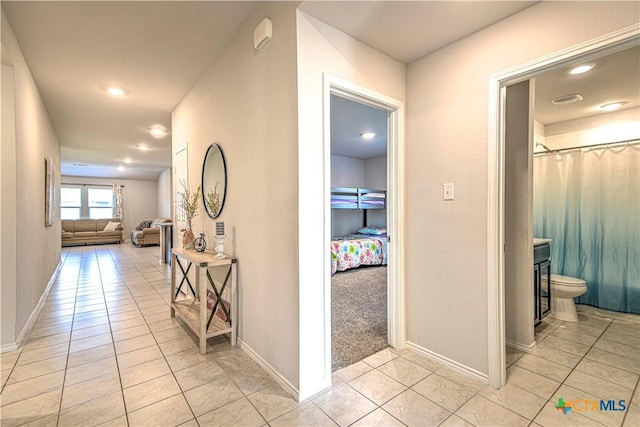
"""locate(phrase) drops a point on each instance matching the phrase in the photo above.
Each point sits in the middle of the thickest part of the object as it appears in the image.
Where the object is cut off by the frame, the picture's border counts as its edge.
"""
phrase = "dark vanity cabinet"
(542, 281)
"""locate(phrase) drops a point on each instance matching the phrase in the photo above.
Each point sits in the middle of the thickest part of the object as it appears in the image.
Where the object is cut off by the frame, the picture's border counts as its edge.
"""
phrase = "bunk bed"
(369, 245)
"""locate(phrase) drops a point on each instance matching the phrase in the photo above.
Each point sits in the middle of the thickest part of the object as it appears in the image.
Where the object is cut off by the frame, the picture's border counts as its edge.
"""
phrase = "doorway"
(496, 189)
(394, 110)
(359, 254)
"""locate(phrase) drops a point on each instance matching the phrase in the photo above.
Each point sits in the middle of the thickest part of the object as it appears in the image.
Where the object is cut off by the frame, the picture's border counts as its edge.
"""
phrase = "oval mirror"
(214, 181)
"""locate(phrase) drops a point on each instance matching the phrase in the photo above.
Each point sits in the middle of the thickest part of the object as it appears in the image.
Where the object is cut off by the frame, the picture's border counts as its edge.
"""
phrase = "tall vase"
(188, 237)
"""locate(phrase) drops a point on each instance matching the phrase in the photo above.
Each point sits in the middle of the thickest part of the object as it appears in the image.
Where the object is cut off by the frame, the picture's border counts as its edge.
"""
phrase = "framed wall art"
(49, 192)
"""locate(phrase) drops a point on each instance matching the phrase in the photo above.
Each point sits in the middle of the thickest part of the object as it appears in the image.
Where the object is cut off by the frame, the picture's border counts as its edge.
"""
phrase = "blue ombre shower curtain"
(588, 202)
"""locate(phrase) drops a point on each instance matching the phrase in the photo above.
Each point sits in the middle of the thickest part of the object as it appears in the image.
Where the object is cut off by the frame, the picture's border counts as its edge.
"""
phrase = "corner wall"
(447, 134)
(246, 103)
(165, 195)
(37, 248)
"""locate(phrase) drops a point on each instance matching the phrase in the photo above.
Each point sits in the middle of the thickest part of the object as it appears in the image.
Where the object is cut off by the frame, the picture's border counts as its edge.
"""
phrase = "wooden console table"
(193, 310)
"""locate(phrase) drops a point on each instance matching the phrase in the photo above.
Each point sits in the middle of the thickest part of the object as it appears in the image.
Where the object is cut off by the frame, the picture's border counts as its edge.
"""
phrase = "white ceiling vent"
(567, 99)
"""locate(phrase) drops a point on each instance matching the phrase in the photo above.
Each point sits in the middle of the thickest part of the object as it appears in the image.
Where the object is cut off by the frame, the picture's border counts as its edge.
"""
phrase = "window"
(70, 202)
(100, 203)
(84, 201)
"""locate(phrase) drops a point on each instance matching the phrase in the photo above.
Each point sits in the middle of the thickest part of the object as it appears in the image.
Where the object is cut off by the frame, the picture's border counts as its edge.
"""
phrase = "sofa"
(91, 231)
(148, 235)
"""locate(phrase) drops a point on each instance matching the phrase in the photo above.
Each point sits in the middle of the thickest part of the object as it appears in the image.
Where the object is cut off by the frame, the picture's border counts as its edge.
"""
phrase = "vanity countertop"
(538, 242)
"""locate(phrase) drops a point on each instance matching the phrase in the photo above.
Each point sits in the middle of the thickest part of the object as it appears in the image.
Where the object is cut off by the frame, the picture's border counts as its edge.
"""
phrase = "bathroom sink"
(540, 241)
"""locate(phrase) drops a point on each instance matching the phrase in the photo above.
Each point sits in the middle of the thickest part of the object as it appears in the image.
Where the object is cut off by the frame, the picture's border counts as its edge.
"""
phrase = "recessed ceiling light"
(143, 147)
(128, 160)
(116, 91)
(582, 68)
(567, 99)
(612, 106)
(121, 168)
(367, 135)
(158, 131)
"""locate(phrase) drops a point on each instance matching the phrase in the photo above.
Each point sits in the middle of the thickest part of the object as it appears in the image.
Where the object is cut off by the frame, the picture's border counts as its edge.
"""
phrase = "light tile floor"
(104, 351)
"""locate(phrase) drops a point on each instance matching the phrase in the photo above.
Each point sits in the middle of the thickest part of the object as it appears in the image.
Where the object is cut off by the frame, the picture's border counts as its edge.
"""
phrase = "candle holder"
(219, 246)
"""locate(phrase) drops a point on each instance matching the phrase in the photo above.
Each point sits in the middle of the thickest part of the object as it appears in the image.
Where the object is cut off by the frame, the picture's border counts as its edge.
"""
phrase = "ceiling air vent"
(567, 99)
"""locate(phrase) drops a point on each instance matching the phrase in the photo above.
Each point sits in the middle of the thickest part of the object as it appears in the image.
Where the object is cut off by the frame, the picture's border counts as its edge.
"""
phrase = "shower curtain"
(588, 202)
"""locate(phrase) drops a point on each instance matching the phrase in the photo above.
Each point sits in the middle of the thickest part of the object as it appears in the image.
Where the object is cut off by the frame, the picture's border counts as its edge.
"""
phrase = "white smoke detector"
(262, 33)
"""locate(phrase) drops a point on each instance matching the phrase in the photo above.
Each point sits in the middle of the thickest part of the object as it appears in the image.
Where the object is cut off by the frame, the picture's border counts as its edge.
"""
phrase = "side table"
(205, 320)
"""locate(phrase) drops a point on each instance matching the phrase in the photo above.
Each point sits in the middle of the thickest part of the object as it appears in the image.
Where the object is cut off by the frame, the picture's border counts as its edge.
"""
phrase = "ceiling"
(408, 30)
(615, 77)
(349, 120)
(158, 50)
(155, 50)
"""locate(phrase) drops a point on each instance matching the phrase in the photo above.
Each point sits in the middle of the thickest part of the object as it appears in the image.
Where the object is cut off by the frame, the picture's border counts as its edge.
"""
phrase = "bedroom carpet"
(358, 314)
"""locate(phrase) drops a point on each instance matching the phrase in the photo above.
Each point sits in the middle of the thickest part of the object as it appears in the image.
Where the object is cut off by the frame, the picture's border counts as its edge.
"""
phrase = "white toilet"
(563, 290)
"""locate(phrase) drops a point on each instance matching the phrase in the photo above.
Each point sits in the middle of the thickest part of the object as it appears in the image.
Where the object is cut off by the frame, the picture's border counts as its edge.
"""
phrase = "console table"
(211, 308)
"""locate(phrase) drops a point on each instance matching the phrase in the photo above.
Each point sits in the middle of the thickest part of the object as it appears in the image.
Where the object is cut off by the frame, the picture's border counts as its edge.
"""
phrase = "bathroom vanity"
(541, 278)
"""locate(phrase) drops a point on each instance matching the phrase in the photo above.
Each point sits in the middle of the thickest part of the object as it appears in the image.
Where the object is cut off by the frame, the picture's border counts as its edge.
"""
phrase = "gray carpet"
(358, 314)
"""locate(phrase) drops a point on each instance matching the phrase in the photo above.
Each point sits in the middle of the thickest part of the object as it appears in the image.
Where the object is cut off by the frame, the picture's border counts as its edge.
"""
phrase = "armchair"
(149, 235)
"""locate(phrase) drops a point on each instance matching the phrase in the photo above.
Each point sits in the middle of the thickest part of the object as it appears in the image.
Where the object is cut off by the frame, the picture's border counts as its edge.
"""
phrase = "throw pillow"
(112, 226)
(144, 224)
(376, 231)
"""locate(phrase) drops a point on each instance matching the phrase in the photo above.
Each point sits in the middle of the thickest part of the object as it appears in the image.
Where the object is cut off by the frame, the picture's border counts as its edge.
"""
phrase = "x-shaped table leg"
(184, 277)
(219, 297)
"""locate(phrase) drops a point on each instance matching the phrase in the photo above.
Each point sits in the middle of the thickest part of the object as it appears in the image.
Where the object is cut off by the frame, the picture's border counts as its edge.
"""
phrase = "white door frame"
(607, 44)
(395, 205)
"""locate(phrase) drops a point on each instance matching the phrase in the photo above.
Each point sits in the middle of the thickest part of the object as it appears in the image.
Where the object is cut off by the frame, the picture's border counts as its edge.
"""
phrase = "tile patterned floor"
(104, 351)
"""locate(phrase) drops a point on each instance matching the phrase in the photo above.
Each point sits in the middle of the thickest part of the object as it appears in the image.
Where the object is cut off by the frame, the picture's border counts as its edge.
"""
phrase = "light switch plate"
(447, 191)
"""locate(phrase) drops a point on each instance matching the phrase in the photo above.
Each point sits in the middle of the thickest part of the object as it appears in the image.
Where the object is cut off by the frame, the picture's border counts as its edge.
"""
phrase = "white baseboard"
(456, 366)
(522, 347)
(8, 347)
(289, 388)
(24, 334)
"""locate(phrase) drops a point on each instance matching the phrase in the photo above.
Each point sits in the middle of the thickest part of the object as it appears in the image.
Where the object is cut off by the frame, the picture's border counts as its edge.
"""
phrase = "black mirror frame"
(212, 215)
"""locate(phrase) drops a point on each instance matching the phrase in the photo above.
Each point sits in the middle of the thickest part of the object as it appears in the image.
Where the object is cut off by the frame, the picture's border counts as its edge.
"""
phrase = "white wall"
(140, 198)
(246, 102)
(447, 122)
(164, 194)
(375, 177)
(346, 172)
(518, 217)
(539, 136)
(322, 49)
(375, 172)
(612, 127)
(37, 248)
(8, 232)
